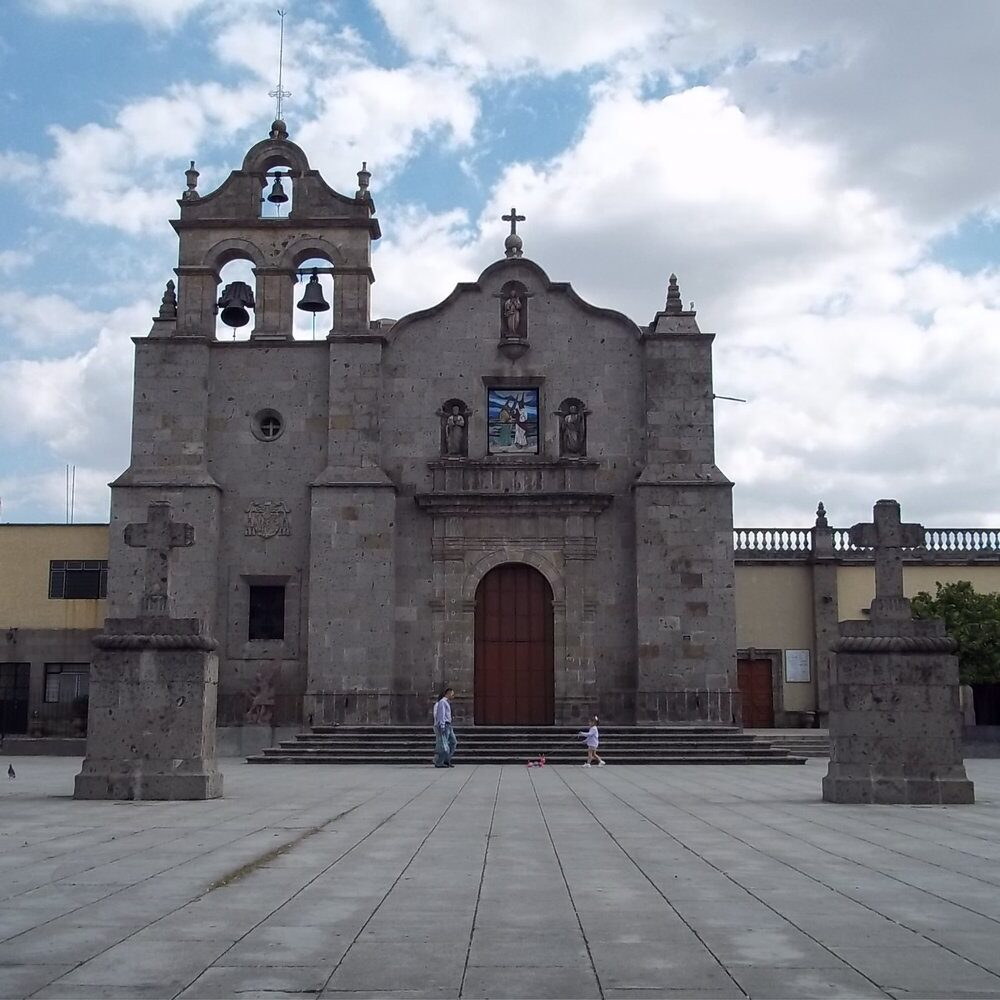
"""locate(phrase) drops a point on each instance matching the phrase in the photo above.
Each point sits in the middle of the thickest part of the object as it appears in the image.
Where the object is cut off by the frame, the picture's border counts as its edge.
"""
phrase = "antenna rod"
(280, 93)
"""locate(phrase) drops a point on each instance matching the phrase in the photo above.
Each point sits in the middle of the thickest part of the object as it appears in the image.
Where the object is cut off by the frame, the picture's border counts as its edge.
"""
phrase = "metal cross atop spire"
(513, 245)
(279, 94)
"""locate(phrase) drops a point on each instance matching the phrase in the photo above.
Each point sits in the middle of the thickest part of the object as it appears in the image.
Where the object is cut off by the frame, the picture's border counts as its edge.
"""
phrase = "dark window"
(78, 580)
(14, 697)
(267, 613)
(66, 682)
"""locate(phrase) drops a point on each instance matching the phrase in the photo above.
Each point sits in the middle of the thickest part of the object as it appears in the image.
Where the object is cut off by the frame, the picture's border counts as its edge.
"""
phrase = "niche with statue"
(454, 416)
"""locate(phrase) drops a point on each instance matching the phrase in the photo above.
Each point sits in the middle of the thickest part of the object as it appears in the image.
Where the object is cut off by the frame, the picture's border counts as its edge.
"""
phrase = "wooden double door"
(514, 675)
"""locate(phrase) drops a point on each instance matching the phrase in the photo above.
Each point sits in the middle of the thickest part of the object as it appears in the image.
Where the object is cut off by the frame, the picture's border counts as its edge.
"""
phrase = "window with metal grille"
(78, 579)
(66, 682)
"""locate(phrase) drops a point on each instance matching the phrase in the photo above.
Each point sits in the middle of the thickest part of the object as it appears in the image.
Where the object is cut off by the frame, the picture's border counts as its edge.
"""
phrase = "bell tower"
(224, 429)
(230, 224)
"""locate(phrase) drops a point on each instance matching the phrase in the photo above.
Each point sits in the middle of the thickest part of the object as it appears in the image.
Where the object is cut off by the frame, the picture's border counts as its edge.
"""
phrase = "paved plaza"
(486, 881)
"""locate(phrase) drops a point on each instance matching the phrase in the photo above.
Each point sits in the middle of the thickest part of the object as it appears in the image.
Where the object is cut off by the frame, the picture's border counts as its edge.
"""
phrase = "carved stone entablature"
(515, 476)
(513, 504)
(267, 518)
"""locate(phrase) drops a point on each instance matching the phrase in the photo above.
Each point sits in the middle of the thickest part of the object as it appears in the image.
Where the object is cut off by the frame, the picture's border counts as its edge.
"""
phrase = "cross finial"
(888, 536)
(158, 536)
(513, 245)
(279, 93)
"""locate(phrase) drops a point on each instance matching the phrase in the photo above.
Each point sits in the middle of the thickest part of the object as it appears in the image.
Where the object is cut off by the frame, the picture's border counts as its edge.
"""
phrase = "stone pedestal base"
(151, 728)
(895, 719)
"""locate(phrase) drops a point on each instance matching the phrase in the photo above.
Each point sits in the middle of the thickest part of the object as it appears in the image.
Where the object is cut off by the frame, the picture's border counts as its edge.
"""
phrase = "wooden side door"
(514, 670)
(756, 693)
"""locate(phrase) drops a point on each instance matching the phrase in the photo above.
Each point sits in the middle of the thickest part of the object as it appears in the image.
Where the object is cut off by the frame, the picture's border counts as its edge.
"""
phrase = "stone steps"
(518, 744)
(802, 742)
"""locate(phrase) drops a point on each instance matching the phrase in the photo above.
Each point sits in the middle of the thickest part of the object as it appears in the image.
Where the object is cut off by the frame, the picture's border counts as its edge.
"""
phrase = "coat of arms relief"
(267, 518)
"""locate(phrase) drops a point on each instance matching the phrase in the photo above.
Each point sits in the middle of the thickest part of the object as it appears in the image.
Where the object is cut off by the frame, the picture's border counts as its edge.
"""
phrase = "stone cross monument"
(153, 689)
(895, 718)
(158, 536)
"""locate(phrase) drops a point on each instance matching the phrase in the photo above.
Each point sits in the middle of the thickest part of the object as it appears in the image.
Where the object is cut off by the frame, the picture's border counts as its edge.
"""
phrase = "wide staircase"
(801, 742)
(519, 744)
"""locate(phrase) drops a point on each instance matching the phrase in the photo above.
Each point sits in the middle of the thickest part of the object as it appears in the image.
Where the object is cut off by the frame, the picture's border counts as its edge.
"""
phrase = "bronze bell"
(234, 301)
(312, 298)
(277, 194)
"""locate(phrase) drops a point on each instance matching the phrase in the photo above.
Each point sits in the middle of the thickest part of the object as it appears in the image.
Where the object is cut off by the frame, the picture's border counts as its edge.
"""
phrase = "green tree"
(973, 621)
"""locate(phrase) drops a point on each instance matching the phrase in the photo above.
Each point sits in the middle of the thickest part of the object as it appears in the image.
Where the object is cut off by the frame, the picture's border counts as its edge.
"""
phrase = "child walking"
(592, 738)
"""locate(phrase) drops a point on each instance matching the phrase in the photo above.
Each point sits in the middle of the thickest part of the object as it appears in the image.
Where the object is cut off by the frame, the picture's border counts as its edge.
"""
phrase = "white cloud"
(35, 321)
(13, 260)
(382, 116)
(76, 407)
(153, 14)
(130, 175)
(90, 497)
(422, 259)
(522, 35)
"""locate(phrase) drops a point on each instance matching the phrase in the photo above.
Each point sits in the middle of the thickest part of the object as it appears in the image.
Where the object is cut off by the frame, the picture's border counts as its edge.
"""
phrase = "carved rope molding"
(894, 644)
(140, 640)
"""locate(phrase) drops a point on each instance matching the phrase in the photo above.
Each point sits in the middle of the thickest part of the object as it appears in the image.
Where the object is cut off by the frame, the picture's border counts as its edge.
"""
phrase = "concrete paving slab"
(255, 982)
(17, 981)
(512, 983)
(491, 881)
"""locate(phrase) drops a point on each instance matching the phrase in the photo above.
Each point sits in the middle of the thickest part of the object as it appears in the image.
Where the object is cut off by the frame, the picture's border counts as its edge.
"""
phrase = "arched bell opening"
(236, 302)
(314, 291)
(277, 193)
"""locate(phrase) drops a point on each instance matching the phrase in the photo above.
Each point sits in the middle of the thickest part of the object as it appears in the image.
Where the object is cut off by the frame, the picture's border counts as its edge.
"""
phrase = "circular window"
(267, 425)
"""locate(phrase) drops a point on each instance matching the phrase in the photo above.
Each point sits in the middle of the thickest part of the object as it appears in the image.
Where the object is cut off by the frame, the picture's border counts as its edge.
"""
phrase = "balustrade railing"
(797, 543)
(772, 540)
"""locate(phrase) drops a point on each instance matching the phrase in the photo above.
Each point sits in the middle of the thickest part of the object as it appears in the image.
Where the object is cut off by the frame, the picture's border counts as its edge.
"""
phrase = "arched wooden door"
(514, 681)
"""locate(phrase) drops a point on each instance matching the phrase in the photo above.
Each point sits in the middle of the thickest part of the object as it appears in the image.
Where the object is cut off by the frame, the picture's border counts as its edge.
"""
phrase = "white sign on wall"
(797, 670)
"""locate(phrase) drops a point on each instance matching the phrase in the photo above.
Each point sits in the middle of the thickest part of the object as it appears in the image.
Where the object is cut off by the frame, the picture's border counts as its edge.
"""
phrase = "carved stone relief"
(267, 518)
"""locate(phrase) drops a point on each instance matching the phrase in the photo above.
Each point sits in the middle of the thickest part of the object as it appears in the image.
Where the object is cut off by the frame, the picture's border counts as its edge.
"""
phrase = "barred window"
(66, 682)
(78, 579)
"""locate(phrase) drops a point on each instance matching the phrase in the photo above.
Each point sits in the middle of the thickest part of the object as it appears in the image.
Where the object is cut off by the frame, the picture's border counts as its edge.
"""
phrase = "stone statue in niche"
(572, 415)
(513, 311)
(513, 319)
(454, 429)
(512, 314)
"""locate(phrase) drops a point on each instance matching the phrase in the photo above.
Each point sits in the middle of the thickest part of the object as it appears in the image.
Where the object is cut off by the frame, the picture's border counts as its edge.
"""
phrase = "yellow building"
(53, 580)
(793, 585)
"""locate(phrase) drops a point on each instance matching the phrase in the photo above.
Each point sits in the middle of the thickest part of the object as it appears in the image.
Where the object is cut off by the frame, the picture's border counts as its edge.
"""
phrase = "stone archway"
(514, 682)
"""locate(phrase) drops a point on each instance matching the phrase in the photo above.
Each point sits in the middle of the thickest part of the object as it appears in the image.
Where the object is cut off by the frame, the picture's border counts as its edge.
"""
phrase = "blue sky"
(822, 180)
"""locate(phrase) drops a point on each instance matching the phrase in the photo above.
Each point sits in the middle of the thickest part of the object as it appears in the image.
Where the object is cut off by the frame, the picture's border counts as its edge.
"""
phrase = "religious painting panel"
(512, 421)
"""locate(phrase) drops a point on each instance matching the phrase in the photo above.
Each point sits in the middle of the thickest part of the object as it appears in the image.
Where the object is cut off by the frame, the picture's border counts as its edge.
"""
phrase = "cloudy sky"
(822, 177)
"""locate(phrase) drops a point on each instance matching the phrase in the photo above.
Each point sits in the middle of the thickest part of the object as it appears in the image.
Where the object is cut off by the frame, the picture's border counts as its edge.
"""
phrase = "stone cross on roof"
(158, 536)
(513, 245)
(888, 536)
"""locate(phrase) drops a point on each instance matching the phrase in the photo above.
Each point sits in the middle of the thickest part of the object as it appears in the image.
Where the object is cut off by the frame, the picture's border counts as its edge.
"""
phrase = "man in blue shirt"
(445, 742)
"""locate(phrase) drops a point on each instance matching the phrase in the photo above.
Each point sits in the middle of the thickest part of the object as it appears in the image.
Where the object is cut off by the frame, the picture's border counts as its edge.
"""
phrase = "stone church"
(512, 491)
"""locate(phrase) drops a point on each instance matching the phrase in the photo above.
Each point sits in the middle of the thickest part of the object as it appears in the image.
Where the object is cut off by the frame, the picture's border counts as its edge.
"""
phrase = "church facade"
(512, 492)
